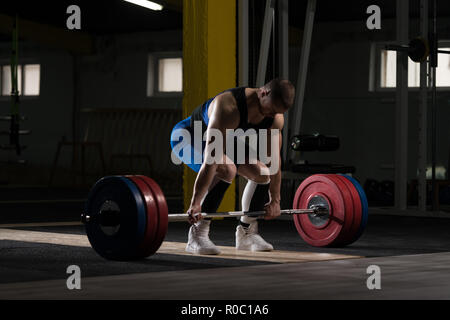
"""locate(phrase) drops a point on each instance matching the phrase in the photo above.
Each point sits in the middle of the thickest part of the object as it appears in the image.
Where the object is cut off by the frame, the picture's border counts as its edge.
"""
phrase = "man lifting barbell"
(127, 217)
(238, 108)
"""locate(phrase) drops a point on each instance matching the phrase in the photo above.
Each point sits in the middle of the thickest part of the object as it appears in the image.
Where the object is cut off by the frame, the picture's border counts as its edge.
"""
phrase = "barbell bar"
(318, 211)
(179, 217)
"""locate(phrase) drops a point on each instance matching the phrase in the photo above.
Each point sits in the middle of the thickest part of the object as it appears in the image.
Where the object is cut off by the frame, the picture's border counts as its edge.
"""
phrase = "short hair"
(283, 91)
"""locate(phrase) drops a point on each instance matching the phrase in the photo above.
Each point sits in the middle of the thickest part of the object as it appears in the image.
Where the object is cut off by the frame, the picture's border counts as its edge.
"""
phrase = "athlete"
(239, 108)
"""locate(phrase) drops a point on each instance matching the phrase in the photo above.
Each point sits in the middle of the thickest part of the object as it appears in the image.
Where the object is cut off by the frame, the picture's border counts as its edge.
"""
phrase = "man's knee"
(258, 173)
(226, 172)
(261, 179)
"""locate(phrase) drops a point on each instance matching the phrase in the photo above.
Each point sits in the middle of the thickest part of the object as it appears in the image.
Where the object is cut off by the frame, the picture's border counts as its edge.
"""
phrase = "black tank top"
(201, 113)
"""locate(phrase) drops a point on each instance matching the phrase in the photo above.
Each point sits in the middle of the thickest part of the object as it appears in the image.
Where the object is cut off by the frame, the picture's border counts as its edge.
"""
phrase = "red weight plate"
(152, 217)
(163, 218)
(357, 211)
(348, 221)
(325, 234)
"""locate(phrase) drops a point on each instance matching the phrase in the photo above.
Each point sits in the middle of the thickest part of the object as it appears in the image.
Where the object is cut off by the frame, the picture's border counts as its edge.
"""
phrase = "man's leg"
(198, 241)
(224, 178)
(255, 197)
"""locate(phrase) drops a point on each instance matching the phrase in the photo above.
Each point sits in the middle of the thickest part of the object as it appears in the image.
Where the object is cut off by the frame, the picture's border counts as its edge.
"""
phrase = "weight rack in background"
(14, 118)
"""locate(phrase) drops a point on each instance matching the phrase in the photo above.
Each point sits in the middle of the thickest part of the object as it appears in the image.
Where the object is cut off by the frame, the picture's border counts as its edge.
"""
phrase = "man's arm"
(273, 209)
(224, 116)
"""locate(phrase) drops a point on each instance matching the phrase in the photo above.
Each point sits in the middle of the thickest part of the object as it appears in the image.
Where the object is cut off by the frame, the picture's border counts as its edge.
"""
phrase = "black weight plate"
(122, 242)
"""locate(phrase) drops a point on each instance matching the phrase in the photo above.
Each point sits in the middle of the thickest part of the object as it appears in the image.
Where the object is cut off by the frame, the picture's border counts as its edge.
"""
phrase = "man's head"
(276, 97)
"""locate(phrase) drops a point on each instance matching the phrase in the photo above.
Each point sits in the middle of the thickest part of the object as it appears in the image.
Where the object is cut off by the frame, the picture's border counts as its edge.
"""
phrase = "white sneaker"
(198, 241)
(250, 240)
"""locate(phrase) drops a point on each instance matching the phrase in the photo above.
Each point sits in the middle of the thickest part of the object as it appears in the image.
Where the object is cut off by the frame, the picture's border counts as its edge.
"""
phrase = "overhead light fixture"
(147, 4)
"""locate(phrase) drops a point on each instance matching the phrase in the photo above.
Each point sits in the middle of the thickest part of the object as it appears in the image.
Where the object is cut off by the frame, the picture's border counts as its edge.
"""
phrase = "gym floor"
(412, 253)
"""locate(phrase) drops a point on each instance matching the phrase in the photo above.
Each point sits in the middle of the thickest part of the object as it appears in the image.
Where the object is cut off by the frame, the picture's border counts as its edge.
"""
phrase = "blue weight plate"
(365, 206)
(116, 197)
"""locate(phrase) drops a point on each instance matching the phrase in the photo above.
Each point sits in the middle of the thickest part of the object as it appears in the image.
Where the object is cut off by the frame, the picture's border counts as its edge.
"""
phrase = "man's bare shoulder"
(226, 102)
(225, 110)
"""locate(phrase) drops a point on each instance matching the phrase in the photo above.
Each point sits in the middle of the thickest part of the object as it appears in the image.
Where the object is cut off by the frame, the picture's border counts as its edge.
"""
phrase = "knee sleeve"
(214, 197)
(254, 198)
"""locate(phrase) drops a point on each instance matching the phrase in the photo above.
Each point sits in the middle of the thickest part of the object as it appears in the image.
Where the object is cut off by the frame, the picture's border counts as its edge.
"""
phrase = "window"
(443, 70)
(170, 75)
(388, 65)
(28, 78)
(32, 77)
(388, 70)
(165, 75)
(6, 80)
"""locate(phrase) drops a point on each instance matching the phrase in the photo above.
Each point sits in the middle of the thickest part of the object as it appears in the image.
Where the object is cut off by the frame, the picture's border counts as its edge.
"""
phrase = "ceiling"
(117, 16)
(97, 16)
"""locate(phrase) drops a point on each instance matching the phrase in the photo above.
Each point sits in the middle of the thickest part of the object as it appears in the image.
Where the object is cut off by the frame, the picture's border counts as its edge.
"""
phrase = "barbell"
(112, 217)
(126, 217)
(418, 49)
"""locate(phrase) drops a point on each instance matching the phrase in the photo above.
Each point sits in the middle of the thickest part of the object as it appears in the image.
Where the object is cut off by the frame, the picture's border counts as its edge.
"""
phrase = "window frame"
(153, 58)
(375, 62)
(23, 62)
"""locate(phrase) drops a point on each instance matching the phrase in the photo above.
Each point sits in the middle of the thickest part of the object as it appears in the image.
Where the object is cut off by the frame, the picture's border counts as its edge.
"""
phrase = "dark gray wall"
(115, 77)
(50, 114)
(337, 97)
(338, 102)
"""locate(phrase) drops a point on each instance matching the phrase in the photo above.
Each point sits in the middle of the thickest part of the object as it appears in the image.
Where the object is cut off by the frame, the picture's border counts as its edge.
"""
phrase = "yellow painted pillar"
(209, 63)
